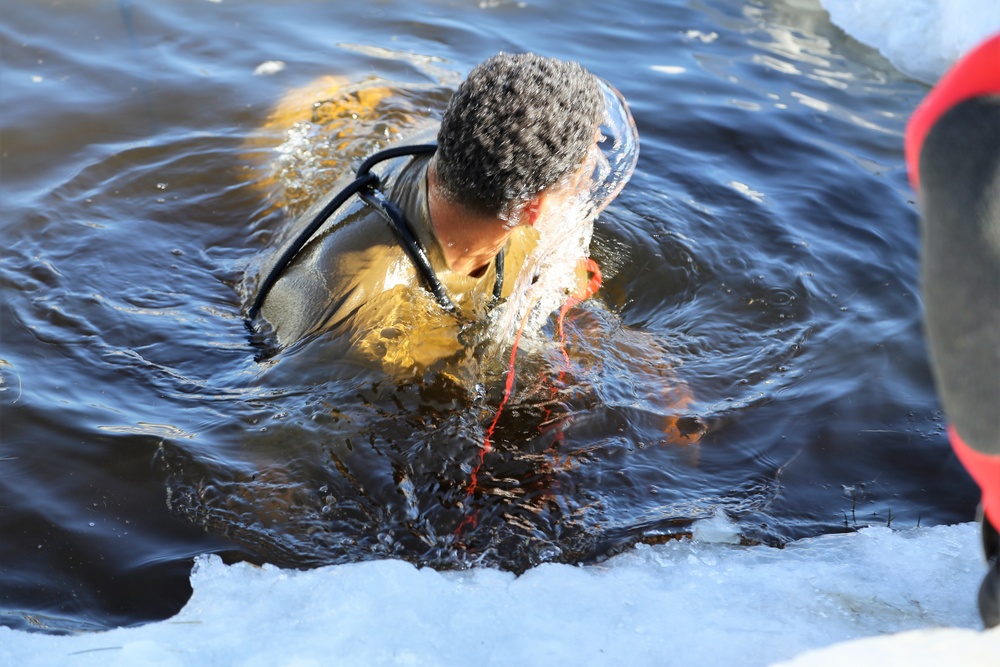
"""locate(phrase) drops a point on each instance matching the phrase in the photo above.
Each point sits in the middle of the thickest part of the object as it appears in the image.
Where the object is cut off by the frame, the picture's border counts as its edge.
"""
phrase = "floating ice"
(269, 67)
(719, 529)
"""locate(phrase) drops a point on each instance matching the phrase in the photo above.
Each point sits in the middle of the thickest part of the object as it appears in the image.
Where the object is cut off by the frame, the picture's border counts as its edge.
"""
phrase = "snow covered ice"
(920, 37)
(686, 602)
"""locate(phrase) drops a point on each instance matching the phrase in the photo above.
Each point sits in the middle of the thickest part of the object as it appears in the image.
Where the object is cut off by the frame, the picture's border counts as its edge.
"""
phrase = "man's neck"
(469, 241)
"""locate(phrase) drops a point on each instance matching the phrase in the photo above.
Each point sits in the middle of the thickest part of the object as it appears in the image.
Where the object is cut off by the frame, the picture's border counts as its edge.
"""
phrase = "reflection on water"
(755, 345)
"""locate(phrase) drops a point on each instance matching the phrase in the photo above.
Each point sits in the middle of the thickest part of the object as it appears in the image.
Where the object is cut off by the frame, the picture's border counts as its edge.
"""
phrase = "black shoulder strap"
(411, 245)
(366, 186)
(364, 180)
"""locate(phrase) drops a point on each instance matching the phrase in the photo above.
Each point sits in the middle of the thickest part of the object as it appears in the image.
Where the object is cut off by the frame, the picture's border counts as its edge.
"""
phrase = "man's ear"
(533, 210)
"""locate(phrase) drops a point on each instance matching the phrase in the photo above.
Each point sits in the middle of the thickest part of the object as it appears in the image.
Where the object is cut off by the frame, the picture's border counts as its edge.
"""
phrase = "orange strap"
(985, 469)
(976, 74)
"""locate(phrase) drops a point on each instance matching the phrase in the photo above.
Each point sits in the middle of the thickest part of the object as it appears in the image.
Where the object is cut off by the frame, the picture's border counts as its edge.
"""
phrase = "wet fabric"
(355, 278)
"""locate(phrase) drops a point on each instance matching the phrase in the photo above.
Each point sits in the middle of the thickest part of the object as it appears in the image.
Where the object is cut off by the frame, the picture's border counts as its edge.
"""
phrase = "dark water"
(763, 258)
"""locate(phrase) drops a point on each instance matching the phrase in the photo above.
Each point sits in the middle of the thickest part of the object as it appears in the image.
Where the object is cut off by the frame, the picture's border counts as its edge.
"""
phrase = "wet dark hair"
(514, 127)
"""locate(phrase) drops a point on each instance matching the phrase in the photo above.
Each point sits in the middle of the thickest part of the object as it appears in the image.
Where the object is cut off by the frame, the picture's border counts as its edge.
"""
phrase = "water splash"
(552, 272)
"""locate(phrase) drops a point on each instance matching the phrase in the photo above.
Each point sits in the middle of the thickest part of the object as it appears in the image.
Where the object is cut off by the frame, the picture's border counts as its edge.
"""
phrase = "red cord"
(580, 295)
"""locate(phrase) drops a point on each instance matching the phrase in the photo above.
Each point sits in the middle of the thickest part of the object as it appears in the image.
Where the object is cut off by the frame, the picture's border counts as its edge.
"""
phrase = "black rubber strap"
(391, 214)
(364, 179)
(303, 238)
(366, 186)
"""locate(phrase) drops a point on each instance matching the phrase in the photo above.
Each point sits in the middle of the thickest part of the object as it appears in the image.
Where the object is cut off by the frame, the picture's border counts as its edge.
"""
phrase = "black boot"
(989, 592)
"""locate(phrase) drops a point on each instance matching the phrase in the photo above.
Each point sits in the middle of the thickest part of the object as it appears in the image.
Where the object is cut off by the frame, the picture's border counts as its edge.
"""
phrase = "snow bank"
(680, 603)
(920, 37)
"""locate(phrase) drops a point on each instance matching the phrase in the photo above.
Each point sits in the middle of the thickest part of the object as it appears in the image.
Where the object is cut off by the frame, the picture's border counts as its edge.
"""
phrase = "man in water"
(518, 144)
(953, 155)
